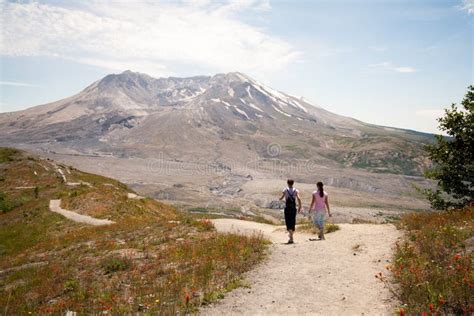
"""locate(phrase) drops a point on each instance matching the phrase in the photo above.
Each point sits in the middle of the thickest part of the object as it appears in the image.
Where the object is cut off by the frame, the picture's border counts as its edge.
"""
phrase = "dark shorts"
(290, 218)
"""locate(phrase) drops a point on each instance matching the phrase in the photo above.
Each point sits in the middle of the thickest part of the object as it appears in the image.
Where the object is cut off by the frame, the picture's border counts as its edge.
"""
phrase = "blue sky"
(394, 63)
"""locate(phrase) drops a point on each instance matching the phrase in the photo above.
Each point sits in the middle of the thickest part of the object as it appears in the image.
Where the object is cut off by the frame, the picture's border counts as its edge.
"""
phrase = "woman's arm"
(327, 206)
(282, 195)
(312, 203)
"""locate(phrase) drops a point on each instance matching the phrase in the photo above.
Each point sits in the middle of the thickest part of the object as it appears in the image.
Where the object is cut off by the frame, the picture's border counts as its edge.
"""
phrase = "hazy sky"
(395, 63)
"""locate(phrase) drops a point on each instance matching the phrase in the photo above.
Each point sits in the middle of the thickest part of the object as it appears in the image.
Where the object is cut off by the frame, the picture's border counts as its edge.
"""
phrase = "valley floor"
(331, 277)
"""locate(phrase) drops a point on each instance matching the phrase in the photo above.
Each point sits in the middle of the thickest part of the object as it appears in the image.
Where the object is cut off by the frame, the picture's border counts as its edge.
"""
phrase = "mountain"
(195, 115)
(226, 122)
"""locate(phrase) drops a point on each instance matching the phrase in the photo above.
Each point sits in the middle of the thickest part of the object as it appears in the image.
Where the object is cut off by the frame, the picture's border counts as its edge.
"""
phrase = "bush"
(6, 204)
(203, 225)
(71, 285)
(329, 228)
(433, 268)
(8, 154)
(114, 264)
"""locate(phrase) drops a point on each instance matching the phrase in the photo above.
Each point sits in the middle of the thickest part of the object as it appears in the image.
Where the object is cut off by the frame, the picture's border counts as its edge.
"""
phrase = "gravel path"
(54, 206)
(314, 277)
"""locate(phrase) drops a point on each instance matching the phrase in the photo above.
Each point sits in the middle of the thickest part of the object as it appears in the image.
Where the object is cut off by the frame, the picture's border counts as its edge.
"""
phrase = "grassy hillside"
(153, 259)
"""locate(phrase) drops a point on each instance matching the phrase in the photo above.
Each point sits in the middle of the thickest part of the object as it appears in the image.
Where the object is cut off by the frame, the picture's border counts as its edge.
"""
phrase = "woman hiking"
(291, 196)
(319, 206)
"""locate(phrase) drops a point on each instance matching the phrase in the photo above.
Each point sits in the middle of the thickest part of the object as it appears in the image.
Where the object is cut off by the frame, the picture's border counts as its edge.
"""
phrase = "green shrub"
(5, 204)
(71, 285)
(114, 264)
(329, 228)
(8, 154)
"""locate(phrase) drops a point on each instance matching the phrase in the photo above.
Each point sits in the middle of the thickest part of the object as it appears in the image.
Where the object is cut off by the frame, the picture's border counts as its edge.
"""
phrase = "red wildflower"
(431, 307)
(457, 256)
(425, 313)
(187, 298)
(402, 312)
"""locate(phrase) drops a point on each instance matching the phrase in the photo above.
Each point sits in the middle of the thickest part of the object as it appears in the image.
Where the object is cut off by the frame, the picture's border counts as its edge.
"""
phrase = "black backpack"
(291, 199)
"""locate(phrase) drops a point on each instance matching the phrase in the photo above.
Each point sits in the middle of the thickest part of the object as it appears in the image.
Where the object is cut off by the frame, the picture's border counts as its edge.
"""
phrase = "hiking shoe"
(290, 242)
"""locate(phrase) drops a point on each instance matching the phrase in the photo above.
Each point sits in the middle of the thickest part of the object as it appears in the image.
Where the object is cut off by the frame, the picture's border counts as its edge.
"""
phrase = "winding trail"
(55, 206)
(331, 277)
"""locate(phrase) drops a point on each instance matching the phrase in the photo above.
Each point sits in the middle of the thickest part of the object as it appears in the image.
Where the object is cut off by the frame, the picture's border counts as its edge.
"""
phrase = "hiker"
(318, 208)
(291, 196)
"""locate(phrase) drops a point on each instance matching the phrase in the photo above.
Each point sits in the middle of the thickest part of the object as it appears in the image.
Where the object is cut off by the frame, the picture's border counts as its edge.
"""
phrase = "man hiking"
(291, 196)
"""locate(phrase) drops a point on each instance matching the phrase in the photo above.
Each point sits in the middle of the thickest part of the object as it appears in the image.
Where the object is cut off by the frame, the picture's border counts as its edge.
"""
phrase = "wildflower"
(157, 301)
(431, 307)
(402, 312)
(187, 298)
(441, 301)
(424, 313)
(457, 257)
(466, 280)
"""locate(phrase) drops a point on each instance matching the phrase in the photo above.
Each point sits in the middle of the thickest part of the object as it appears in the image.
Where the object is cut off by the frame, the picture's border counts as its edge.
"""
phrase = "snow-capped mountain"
(226, 116)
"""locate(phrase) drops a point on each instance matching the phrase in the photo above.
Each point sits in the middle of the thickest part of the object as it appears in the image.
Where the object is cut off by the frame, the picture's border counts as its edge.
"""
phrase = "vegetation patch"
(155, 259)
(308, 226)
(433, 267)
(115, 263)
(329, 228)
(8, 154)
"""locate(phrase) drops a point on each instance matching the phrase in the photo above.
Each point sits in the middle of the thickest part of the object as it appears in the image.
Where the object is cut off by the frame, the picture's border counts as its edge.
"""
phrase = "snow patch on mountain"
(241, 112)
(251, 105)
(281, 112)
(248, 91)
(255, 107)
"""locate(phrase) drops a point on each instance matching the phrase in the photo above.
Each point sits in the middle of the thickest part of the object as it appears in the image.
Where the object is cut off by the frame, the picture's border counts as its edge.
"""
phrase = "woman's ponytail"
(320, 186)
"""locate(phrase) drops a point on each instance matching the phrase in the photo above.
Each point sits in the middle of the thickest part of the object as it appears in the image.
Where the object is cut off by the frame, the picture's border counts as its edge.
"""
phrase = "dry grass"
(363, 221)
(155, 259)
(433, 267)
(308, 226)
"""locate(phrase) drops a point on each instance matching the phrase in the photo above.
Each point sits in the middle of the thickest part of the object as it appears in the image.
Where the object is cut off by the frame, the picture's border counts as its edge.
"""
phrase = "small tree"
(453, 157)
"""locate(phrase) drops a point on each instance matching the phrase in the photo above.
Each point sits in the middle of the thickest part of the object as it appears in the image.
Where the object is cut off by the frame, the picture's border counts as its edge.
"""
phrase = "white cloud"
(146, 36)
(387, 66)
(404, 69)
(16, 84)
(468, 6)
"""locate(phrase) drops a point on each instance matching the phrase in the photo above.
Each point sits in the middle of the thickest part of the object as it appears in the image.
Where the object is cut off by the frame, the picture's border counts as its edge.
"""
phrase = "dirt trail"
(314, 277)
(54, 206)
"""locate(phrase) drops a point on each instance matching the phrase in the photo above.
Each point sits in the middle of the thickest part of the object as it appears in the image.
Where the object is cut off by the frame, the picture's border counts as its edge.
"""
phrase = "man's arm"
(327, 205)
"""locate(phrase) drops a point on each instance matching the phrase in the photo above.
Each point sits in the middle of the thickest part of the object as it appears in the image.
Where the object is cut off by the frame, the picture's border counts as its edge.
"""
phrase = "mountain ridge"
(227, 120)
